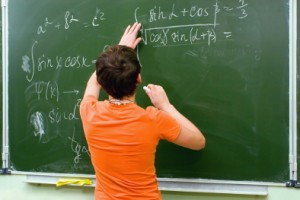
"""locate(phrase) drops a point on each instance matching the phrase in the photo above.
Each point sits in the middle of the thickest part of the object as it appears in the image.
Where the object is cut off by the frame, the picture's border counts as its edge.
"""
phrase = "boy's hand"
(129, 37)
(158, 96)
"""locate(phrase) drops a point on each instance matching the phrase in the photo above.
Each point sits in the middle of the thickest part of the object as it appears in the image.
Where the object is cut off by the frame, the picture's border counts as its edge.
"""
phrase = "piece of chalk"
(146, 89)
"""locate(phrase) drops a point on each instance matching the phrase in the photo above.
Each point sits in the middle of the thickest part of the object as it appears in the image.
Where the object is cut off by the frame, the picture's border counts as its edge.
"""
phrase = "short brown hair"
(117, 70)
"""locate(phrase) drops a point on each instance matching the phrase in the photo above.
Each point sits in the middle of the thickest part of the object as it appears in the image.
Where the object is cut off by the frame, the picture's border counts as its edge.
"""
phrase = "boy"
(122, 137)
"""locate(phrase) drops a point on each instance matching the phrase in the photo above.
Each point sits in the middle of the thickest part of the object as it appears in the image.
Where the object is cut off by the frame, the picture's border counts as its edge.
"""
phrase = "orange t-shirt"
(122, 141)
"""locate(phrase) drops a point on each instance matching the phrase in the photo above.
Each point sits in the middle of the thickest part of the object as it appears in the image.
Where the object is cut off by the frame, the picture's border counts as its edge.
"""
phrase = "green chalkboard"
(223, 63)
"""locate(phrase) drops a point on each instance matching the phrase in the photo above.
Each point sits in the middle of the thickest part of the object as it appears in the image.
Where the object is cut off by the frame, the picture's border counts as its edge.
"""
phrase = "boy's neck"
(128, 98)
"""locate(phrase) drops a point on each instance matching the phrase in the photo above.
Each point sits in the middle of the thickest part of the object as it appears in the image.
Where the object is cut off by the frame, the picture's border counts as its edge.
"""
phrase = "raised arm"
(190, 136)
(92, 87)
(129, 37)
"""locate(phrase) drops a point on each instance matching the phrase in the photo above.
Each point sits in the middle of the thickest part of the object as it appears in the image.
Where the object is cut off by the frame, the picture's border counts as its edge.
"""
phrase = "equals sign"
(227, 34)
(86, 25)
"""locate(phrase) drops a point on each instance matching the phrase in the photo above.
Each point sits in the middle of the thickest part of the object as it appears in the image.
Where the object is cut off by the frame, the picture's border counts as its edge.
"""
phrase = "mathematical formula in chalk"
(172, 32)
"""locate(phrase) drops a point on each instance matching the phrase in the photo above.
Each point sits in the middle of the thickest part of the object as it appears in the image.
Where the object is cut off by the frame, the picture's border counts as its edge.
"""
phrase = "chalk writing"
(216, 11)
(70, 19)
(48, 90)
(157, 13)
(56, 115)
(43, 62)
(163, 26)
(43, 28)
(228, 34)
(174, 36)
(99, 16)
(78, 149)
(205, 31)
(72, 92)
(242, 7)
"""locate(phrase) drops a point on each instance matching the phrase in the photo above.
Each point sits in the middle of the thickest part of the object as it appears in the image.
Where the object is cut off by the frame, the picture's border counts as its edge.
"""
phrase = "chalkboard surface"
(223, 63)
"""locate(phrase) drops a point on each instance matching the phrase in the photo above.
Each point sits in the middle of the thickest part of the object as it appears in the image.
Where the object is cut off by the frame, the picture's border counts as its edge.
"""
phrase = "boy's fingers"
(132, 28)
(127, 29)
(150, 86)
(137, 41)
(137, 27)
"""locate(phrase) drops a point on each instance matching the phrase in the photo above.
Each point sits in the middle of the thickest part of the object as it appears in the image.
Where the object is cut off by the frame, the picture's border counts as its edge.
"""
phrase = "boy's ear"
(139, 79)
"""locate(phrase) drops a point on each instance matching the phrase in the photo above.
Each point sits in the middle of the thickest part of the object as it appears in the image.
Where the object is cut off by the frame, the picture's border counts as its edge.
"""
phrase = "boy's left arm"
(93, 87)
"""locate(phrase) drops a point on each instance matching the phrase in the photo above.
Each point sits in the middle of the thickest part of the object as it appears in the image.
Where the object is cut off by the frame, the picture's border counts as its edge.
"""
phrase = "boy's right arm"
(190, 136)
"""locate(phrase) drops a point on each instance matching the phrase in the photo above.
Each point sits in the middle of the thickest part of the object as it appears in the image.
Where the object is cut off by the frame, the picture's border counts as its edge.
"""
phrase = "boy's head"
(117, 71)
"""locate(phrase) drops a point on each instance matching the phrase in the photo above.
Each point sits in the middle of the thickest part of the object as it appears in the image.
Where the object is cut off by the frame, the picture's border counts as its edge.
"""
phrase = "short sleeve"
(88, 107)
(168, 127)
